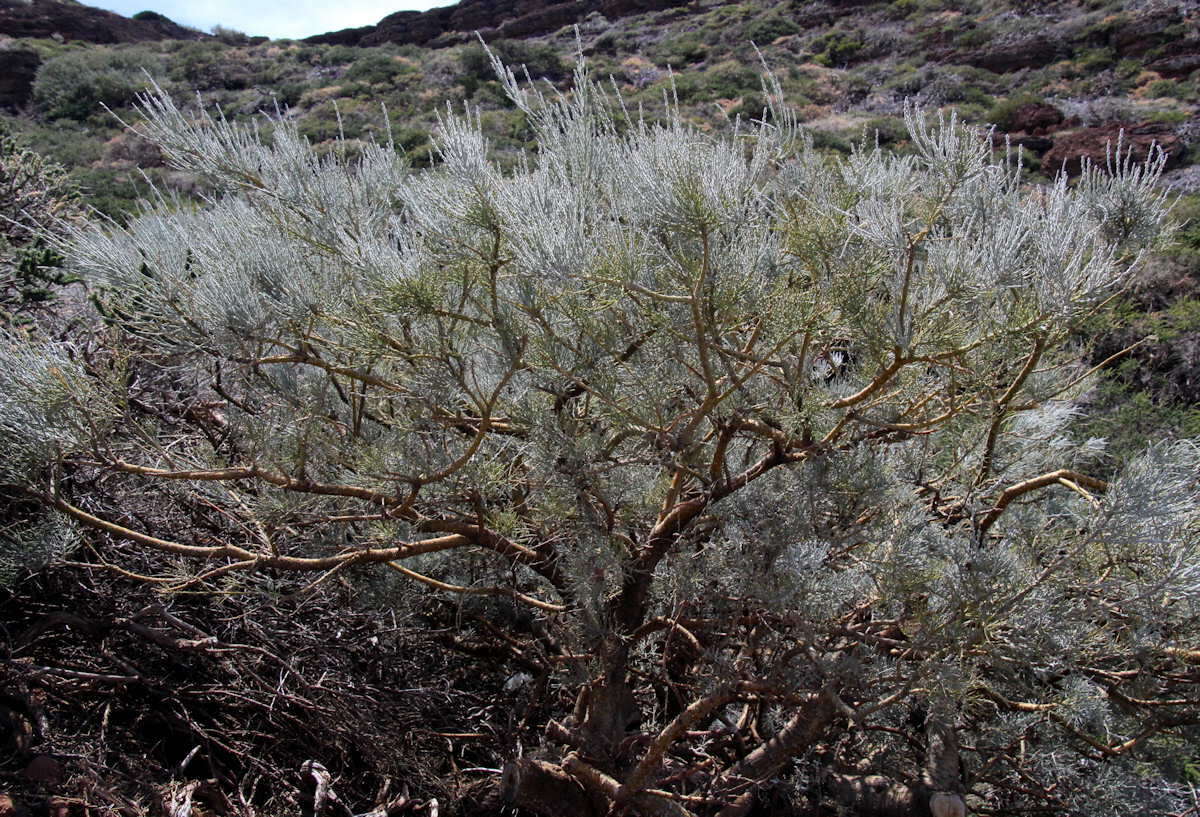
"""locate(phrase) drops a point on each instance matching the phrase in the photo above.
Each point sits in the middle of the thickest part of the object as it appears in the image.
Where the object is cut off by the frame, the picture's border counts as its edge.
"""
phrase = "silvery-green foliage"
(48, 406)
(31, 541)
(849, 367)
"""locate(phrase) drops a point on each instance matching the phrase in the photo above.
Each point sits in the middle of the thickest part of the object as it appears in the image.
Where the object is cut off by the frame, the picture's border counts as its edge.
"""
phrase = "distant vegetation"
(850, 69)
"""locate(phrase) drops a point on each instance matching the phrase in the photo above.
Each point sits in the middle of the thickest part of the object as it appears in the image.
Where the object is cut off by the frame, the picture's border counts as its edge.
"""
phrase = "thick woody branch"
(803, 730)
(272, 477)
(1013, 492)
(651, 762)
(943, 767)
(603, 785)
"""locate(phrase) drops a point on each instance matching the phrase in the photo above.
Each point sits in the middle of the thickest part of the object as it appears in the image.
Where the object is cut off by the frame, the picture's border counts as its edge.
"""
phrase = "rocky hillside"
(61, 22)
(491, 18)
(74, 22)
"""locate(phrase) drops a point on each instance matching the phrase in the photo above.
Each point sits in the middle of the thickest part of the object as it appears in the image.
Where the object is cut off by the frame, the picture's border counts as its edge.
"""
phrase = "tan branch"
(248, 559)
(875, 385)
(1034, 483)
(477, 591)
(651, 762)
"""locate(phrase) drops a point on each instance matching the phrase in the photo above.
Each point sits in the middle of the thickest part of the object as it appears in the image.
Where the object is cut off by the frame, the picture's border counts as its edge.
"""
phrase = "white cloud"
(273, 18)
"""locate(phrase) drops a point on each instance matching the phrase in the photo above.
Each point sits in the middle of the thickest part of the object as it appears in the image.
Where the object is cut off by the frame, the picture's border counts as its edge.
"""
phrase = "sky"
(274, 18)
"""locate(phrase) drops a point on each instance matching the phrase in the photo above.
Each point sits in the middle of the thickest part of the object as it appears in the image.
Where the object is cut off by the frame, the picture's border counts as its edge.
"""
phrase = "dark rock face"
(1095, 144)
(491, 18)
(1179, 59)
(18, 67)
(1013, 55)
(1037, 144)
(1036, 119)
(47, 18)
(1139, 35)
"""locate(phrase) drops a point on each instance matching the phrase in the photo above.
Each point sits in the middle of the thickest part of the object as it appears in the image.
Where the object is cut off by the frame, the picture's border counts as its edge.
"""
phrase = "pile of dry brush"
(115, 699)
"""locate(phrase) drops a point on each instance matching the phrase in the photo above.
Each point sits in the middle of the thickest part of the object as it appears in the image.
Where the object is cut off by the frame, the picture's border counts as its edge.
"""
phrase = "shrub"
(210, 65)
(230, 36)
(539, 60)
(1164, 88)
(728, 80)
(330, 121)
(151, 17)
(887, 130)
(78, 84)
(837, 48)
(377, 69)
(339, 55)
(112, 192)
(776, 450)
(681, 51)
(769, 27)
(1095, 60)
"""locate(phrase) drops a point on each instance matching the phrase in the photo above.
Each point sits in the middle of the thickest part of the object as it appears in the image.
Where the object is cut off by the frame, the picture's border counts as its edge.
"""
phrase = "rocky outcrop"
(73, 21)
(1178, 59)
(1148, 30)
(1072, 148)
(18, 67)
(493, 19)
(1012, 55)
(1036, 119)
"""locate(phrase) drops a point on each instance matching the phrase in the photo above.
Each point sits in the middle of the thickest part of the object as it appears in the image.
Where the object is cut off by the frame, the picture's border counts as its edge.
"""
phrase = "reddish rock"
(16, 730)
(1013, 55)
(129, 150)
(1037, 144)
(1095, 144)
(1147, 31)
(1177, 65)
(543, 20)
(12, 808)
(1036, 119)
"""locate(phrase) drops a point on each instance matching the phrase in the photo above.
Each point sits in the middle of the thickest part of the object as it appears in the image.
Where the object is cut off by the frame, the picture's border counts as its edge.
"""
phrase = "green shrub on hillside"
(112, 192)
(337, 55)
(770, 27)
(201, 66)
(328, 121)
(378, 69)
(541, 61)
(680, 51)
(78, 84)
(837, 48)
(729, 80)
(886, 130)
(1168, 88)
(230, 36)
